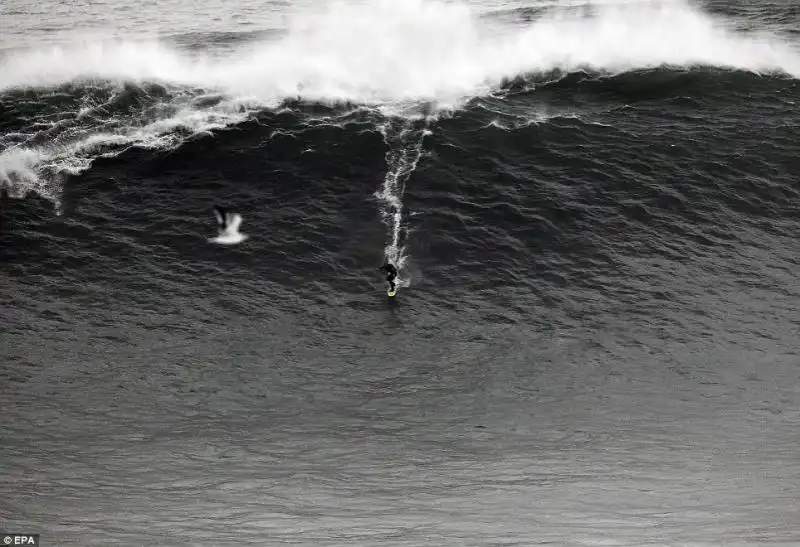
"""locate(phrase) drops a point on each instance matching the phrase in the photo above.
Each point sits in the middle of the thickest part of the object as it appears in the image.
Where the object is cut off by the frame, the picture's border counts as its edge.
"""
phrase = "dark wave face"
(595, 212)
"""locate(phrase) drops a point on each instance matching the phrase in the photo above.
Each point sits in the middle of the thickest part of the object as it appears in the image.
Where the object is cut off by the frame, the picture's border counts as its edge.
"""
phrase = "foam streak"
(404, 144)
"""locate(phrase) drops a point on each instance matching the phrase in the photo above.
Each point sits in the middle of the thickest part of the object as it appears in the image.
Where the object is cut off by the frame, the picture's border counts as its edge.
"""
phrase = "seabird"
(228, 228)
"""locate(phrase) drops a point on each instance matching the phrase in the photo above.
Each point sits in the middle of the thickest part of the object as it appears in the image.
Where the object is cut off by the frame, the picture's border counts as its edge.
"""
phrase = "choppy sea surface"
(595, 207)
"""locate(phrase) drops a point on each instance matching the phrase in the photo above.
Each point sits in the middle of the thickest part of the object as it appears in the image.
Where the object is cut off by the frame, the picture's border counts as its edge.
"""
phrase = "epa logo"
(21, 539)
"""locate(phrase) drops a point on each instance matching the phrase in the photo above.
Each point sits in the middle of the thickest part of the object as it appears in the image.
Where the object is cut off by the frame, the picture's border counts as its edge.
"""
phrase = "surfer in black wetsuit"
(391, 274)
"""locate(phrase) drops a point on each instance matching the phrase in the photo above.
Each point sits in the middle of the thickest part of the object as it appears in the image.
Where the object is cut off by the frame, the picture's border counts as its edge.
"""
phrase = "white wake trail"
(405, 149)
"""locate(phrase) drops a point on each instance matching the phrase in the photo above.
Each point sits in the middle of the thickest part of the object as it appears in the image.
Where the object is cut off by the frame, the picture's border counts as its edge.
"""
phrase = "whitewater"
(388, 51)
(402, 58)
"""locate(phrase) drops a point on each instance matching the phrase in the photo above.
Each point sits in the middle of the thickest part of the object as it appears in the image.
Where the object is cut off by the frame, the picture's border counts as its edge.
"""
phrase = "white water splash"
(382, 53)
(41, 169)
(24, 170)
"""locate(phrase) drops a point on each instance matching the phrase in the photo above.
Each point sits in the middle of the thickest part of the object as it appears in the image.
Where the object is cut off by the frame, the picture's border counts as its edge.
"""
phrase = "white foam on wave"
(385, 53)
(20, 173)
(41, 169)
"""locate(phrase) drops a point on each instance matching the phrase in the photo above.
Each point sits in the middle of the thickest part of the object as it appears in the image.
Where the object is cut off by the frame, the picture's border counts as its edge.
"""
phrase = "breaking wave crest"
(383, 54)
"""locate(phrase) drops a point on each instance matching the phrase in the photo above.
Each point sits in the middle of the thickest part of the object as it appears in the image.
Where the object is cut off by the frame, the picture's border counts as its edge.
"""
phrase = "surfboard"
(391, 292)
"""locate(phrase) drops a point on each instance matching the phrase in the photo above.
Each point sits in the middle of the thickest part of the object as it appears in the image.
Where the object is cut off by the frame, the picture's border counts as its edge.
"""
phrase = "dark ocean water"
(595, 208)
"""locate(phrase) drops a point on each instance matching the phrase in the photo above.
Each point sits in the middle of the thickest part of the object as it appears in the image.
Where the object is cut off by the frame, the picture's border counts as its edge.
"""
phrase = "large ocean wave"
(401, 57)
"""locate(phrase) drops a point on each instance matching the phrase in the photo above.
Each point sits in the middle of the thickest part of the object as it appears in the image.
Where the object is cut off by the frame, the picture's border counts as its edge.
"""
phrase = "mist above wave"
(387, 51)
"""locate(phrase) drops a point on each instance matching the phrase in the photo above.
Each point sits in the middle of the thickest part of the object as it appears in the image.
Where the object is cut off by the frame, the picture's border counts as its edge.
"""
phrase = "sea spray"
(386, 54)
(386, 51)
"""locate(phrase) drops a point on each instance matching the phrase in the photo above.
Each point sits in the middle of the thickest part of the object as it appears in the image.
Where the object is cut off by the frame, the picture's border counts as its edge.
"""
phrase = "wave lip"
(402, 57)
(388, 51)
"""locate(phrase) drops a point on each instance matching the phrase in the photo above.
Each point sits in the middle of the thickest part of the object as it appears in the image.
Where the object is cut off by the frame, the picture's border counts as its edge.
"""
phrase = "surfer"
(391, 274)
